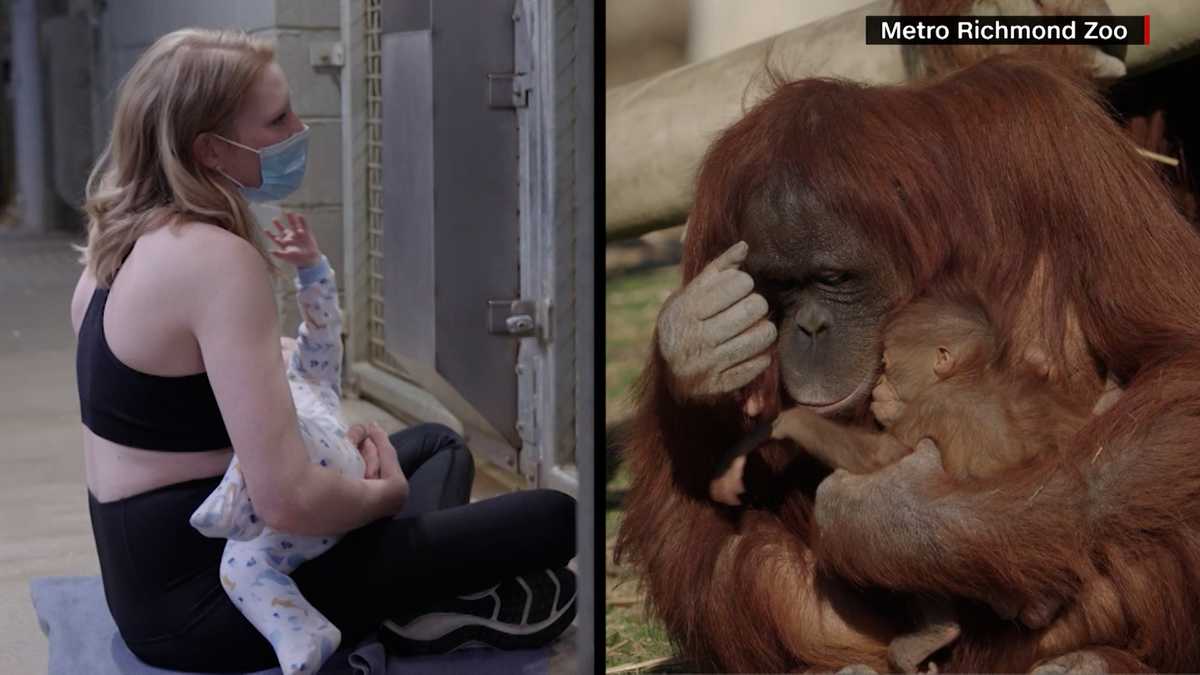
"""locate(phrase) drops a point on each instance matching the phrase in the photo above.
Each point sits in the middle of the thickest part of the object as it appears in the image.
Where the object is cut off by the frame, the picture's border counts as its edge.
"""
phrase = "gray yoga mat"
(83, 639)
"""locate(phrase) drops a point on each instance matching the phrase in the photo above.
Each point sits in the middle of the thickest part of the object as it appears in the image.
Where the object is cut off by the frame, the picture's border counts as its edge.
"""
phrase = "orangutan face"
(828, 292)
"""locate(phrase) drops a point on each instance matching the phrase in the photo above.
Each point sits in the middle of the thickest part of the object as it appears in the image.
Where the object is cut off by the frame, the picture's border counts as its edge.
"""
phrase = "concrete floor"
(44, 526)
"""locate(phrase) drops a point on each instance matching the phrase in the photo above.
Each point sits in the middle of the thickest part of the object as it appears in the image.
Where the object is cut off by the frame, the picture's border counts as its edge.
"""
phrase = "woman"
(179, 367)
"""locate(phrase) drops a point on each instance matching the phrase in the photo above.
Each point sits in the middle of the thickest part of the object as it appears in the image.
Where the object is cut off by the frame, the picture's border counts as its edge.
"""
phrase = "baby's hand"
(728, 487)
(885, 403)
(296, 243)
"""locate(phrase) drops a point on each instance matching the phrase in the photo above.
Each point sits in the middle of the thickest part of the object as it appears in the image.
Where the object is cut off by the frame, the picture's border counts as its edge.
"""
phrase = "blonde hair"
(188, 82)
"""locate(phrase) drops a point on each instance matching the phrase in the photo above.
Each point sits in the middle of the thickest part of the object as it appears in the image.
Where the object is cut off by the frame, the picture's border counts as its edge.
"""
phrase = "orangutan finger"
(907, 652)
(1039, 613)
(1037, 358)
(754, 404)
(742, 374)
(886, 412)
(735, 320)
(1074, 663)
(793, 424)
(728, 487)
(731, 258)
(926, 455)
(753, 342)
(721, 293)
(858, 669)
(1109, 397)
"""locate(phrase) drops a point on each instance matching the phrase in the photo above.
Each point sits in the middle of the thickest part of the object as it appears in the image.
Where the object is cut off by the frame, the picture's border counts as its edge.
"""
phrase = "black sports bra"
(140, 410)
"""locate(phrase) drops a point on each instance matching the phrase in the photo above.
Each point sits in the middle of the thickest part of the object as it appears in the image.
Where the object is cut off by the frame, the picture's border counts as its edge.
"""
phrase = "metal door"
(449, 184)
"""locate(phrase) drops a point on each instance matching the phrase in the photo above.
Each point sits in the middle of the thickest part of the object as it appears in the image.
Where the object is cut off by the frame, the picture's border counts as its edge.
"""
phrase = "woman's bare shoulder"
(198, 253)
(216, 271)
(200, 239)
(84, 288)
(186, 265)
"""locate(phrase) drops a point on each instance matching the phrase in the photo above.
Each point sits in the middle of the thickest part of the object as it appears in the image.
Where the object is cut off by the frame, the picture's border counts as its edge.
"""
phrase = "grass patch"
(629, 635)
(631, 304)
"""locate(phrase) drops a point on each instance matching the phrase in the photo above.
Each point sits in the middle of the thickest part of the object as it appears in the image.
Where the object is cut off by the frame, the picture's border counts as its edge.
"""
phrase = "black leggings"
(161, 576)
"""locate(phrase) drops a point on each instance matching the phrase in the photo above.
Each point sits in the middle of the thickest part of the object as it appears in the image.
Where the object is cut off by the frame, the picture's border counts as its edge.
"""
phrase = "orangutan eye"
(832, 278)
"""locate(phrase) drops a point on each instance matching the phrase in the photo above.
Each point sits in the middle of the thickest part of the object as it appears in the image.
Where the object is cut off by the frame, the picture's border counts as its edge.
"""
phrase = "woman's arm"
(235, 323)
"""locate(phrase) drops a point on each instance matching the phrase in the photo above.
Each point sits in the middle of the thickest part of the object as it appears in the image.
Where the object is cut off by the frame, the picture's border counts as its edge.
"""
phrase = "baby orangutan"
(942, 380)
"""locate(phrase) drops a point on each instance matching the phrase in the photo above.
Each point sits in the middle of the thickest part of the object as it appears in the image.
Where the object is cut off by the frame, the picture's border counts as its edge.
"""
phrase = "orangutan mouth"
(864, 387)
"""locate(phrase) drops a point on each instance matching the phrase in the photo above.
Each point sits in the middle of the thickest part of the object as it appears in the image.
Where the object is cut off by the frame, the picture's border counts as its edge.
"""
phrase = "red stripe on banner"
(1146, 25)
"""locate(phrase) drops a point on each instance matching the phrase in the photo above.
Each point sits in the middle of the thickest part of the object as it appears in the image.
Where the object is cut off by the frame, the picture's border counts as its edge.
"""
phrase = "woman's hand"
(389, 463)
(380, 458)
(296, 243)
(357, 435)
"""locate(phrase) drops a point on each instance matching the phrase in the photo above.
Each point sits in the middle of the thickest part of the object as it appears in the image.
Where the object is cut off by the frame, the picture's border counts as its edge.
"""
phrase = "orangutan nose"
(812, 319)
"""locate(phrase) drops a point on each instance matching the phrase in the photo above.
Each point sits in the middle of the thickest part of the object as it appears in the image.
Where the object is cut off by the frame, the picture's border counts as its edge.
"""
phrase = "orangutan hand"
(1109, 397)
(714, 333)
(885, 403)
(728, 487)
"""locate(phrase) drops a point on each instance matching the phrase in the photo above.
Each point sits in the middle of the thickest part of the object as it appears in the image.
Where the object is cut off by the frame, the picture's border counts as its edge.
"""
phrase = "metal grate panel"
(377, 353)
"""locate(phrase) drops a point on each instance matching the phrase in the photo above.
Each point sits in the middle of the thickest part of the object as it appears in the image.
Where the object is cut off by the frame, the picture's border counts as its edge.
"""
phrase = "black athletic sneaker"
(520, 613)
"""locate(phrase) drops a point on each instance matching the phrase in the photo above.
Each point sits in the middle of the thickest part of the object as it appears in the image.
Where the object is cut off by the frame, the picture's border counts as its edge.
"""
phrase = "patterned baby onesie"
(257, 558)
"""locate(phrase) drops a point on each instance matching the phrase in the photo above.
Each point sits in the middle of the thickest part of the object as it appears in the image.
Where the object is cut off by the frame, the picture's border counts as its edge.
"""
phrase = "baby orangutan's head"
(924, 343)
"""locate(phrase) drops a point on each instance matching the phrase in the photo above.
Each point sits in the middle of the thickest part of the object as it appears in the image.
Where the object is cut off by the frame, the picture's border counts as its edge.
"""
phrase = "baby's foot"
(301, 647)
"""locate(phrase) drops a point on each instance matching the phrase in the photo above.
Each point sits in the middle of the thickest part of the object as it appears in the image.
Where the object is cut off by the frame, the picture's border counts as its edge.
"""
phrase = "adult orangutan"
(850, 200)
(940, 380)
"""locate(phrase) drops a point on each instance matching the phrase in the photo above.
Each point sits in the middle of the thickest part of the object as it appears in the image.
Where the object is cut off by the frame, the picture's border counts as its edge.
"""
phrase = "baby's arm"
(318, 352)
(836, 445)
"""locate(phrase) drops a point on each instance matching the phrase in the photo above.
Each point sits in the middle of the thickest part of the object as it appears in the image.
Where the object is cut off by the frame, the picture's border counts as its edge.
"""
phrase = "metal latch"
(516, 318)
(508, 90)
(511, 90)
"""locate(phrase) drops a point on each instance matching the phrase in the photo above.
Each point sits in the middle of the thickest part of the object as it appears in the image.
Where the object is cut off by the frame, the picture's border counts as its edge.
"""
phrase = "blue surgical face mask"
(281, 167)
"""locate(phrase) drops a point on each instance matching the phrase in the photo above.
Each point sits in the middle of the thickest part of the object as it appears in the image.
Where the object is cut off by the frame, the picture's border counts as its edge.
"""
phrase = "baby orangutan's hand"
(1109, 397)
(885, 403)
(728, 488)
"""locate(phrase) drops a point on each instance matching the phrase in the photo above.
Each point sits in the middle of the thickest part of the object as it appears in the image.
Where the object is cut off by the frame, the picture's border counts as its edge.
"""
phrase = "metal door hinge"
(511, 90)
(518, 318)
(508, 90)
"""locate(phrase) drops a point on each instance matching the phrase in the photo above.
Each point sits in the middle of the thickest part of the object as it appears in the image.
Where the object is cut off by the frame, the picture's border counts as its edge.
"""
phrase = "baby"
(257, 558)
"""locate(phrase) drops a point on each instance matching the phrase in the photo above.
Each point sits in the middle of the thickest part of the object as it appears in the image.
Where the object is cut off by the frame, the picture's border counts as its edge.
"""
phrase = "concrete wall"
(126, 28)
